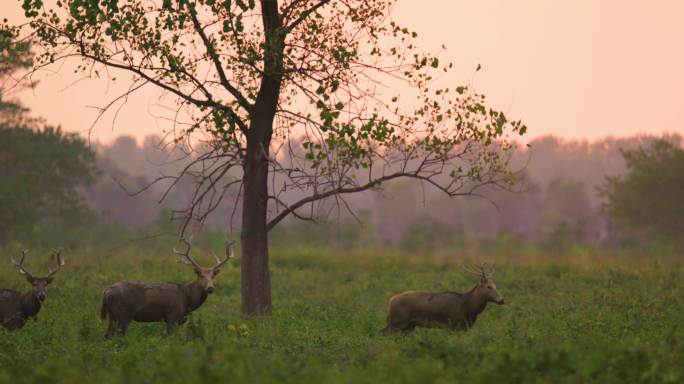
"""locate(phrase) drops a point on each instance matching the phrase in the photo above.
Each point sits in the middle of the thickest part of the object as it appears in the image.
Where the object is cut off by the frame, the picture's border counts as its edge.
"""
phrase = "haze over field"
(561, 196)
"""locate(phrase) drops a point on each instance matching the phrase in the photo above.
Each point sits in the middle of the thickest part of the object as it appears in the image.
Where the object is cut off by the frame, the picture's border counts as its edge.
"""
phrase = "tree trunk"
(256, 279)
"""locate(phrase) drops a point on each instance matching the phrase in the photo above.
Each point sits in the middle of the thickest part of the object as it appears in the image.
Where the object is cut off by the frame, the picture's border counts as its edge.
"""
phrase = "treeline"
(58, 189)
(559, 201)
(570, 193)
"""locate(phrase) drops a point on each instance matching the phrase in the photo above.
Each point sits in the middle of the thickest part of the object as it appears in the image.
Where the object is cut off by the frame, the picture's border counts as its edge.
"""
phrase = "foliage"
(41, 167)
(647, 199)
(564, 236)
(614, 322)
(15, 56)
(40, 173)
(424, 234)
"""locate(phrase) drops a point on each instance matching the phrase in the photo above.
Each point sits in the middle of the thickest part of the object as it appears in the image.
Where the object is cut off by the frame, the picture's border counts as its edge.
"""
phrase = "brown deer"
(128, 301)
(17, 307)
(453, 310)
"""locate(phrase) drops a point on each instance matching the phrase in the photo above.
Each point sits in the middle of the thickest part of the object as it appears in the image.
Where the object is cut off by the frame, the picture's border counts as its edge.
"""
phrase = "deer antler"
(480, 270)
(20, 264)
(483, 269)
(184, 257)
(229, 254)
(476, 272)
(57, 255)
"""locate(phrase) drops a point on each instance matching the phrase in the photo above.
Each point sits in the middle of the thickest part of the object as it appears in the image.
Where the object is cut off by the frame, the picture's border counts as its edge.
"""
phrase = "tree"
(40, 166)
(40, 171)
(15, 56)
(290, 95)
(648, 197)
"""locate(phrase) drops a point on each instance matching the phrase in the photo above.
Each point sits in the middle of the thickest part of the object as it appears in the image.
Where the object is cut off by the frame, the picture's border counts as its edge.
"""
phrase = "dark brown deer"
(453, 310)
(128, 301)
(17, 307)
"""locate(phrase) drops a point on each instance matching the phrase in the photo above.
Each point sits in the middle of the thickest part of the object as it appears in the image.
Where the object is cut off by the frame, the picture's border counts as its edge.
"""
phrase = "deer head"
(205, 276)
(486, 288)
(40, 284)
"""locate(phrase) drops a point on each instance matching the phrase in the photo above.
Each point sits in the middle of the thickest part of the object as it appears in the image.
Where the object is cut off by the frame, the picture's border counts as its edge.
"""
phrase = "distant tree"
(15, 56)
(648, 199)
(40, 171)
(41, 167)
(251, 78)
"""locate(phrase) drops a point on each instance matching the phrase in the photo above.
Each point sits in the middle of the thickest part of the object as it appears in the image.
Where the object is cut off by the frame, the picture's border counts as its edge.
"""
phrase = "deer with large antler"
(17, 307)
(454, 310)
(129, 301)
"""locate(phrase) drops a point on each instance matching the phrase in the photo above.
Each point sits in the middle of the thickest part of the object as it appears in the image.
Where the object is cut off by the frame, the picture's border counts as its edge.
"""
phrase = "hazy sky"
(578, 69)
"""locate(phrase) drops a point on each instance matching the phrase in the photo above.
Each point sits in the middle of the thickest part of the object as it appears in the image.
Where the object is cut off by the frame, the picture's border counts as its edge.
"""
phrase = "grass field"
(572, 321)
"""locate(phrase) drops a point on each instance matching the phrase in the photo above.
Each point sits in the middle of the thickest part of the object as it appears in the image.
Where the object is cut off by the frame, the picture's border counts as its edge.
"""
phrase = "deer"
(129, 301)
(453, 310)
(16, 307)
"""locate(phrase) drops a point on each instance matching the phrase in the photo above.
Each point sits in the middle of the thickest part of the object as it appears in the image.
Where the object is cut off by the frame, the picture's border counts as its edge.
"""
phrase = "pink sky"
(577, 69)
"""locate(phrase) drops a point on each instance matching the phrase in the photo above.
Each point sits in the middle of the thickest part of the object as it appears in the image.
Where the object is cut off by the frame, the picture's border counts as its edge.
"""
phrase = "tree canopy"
(41, 167)
(647, 200)
(15, 56)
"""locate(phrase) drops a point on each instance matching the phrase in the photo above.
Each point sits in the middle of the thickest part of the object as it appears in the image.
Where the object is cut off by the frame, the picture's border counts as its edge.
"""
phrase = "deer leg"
(409, 327)
(111, 330)
(404, 326)
(13, 323)
(171, 325)
(173, 320)
(124, 327)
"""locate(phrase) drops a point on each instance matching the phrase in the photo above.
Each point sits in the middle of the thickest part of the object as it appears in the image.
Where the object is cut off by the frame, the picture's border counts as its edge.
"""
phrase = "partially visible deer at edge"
(17, 307)
(453, 310)
(129, 301)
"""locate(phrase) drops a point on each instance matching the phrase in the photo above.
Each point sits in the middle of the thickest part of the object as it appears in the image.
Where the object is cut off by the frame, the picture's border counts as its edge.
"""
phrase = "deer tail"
(389, 317)
(103, 308)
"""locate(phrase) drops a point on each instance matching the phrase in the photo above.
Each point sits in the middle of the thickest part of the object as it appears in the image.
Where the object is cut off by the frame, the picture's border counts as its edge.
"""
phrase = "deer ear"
(50, 279)
(29, 278)
(216, 271)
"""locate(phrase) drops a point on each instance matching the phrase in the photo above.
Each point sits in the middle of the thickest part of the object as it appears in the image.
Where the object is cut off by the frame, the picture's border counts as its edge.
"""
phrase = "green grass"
(620, 321)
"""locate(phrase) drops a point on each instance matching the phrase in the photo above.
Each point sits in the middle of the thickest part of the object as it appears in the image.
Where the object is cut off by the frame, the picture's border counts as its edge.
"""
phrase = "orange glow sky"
(577, 69)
